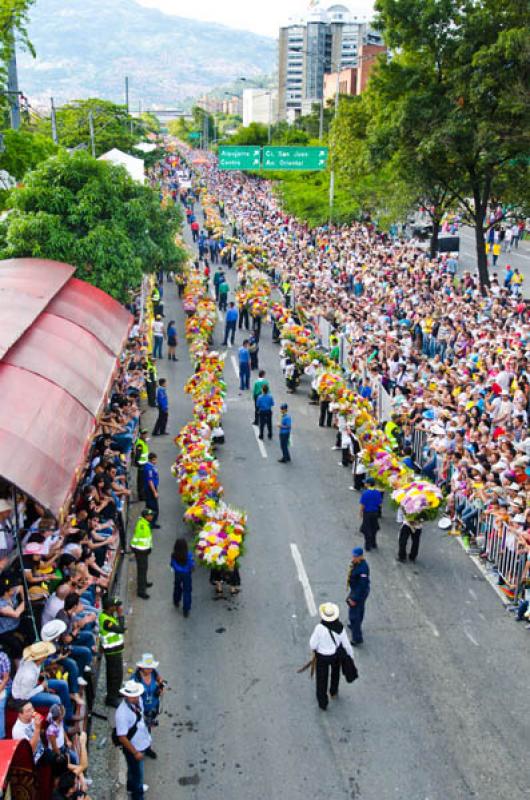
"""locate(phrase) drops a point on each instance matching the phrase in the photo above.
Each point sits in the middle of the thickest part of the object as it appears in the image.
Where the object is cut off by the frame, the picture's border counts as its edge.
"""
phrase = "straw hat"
(329, 612)
(147, 662)
(5, 505)
(132, 689)
(38, 650)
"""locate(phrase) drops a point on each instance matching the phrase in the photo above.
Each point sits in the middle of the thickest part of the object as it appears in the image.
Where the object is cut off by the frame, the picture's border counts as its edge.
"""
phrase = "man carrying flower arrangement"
(409, 530)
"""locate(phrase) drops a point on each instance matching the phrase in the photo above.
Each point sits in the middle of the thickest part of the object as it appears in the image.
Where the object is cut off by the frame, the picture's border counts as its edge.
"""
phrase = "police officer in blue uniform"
(359, 589)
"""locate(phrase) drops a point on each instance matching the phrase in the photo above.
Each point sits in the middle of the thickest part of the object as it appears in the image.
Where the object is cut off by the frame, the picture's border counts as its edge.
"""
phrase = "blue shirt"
(244, 356)
(231, 315)
(161, 399)
(286, 424)
(150, 473)
(183, 569)
(359, 581)
(265, 402)
(371, 499)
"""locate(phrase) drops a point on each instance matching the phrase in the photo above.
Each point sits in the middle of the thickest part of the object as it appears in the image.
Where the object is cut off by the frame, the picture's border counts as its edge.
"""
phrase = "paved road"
(439, 711)
(519, 257)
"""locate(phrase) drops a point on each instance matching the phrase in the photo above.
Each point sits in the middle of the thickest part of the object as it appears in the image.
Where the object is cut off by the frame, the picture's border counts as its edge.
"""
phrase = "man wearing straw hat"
(26, 684)
(325, 640)
(133, 736)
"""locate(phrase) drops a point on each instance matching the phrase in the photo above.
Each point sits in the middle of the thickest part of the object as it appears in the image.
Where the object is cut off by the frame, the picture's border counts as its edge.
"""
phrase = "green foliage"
(14, 18)
(113, 126)
(306, 196)
(24, 151)
(254, 134)
(93, 215)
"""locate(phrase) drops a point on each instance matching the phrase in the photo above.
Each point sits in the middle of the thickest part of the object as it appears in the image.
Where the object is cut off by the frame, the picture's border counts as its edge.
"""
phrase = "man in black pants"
(326, 415)
(264, 405)
(408, 530)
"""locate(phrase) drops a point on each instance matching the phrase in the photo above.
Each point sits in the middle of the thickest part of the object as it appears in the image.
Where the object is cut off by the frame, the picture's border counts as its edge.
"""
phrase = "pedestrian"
(217, 280)
(265, 403)
(358, 470)
(358, 591)
(182, 564)
(285, 433)
(253, 347)
(133, 736)
(370, 501)
(162, 404)
(151, 482)
(229, 576)
(147, 674)
(326, 416)
(141, 456)
(256, 392)
(111, 625)
(329, 634)
(224, 288)
(151, 379)
(141, 545)
(230, 324)
(244, 366)
(157, 327)
(243, 316)
(171, 341)
(410, 529)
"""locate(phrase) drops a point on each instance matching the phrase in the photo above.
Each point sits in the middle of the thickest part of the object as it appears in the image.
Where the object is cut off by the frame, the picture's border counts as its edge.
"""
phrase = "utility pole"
(127, 93)
(13, 93)
(92, 137)
(54, 122)
(332, 171)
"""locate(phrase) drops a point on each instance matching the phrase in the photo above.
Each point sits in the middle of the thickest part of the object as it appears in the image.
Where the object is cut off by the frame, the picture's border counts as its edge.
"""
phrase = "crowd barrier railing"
(507, 550)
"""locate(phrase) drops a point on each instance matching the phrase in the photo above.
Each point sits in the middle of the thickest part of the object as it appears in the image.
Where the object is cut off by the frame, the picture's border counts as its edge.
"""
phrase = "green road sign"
(194, 135)
(231, 157)
(295, 158)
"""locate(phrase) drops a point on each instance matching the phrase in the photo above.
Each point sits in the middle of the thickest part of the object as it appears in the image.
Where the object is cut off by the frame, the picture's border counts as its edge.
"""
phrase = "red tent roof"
(59, 338)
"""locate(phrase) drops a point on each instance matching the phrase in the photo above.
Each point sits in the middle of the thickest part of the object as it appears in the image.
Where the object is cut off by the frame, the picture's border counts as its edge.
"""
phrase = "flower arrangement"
(419, 500)
(219, 543)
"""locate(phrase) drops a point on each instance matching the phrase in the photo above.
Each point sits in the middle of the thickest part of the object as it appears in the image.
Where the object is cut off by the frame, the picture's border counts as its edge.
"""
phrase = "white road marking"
(471, 638)
(472, 593)
(260, 443)
(219, 316)
(433, 628)
(409, 597)
(234, 364)
(304, 580)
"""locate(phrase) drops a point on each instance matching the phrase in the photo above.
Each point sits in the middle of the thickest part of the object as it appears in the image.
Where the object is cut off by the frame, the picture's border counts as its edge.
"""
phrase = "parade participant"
(151, 482)
(243, 316)
(329, 634)
(409, 530)
(141, 545)
(224, 288)
(264, 405)
(370, 501)
(133, 736)
(111, 630)
(285, 433)
(217, 280)
(171, 340)
(230, 324)
(147, 674)
(141, 457)
(253, 348)
(257, 391)
(162, 404)
(359, 589)
(244, 366)
(157, 326)
(182, 564)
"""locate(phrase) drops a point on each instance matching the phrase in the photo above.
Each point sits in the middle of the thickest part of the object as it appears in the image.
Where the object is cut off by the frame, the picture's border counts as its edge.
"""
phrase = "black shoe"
(149, 585)
(260, 437)
(401, 560)
(113, 702)
(156, 527)
(186, 613)
(282, 461)
(144, 595)
(155, 434)
(150, 753)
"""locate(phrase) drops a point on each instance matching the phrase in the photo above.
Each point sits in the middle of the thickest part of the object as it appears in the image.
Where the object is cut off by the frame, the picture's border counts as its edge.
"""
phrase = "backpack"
(131, 733)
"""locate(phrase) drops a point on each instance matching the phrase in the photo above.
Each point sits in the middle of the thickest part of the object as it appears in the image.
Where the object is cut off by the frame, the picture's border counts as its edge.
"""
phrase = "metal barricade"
(419, 442)
(507, 551)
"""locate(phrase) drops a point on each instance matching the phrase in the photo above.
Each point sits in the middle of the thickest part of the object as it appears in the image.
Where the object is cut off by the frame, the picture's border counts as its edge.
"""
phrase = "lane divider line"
(304, 580)
(260, 443)
(234, 364)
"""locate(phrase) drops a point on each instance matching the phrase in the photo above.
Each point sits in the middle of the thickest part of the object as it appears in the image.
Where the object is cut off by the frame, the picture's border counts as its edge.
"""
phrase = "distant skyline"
(245, 15)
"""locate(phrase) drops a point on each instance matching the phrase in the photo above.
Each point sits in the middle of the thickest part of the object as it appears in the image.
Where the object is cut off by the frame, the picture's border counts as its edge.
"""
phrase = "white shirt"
(125, 719)
(23, 730)
(322, 642)
(25, 681)
(53, 605)
(157, 327)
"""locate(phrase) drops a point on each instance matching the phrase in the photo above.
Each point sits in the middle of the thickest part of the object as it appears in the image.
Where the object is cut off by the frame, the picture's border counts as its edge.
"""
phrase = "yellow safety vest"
(143, 458)
(111, 642)
(143, 538)
(155, 297)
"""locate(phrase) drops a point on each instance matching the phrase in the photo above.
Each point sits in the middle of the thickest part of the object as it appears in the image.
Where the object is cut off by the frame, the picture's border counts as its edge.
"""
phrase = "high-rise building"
(324, 41)
(260, 105)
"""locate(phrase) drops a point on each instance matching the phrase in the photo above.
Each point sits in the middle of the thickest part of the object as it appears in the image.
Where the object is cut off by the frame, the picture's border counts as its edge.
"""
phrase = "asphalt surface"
(518, 257)
(440, 708)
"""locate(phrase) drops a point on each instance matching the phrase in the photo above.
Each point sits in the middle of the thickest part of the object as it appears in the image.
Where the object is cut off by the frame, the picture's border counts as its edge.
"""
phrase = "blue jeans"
(230, 330)
(356, 615)
(182, 590)
(284, 444)
(82, 656)
(135, 776)
(48, 699)
(70, 666)
(158, 341)
(522, 609)
(3, 704)
(244, 376)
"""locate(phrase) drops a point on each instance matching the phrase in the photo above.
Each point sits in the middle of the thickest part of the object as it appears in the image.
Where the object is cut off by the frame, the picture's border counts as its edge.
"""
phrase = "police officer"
(111, 629)
(141, 545)
(359, 589)
(151, 482)
(141, 455)
(151, 379)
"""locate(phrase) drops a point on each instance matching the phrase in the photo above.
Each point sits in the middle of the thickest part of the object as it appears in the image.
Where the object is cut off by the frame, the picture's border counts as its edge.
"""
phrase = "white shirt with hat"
(126, 718)
(25, 681)
(322, 642)
(157, 327)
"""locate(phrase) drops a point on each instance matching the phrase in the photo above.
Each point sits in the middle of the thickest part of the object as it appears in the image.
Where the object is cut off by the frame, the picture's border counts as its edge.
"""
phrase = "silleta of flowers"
(418, 500)
(219, 528)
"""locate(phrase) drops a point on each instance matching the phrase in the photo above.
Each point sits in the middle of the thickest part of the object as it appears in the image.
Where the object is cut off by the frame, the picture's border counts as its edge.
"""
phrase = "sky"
(244, 14)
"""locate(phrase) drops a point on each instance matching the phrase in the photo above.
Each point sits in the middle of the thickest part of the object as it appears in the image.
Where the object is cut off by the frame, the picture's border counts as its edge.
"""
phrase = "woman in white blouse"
(328, 635)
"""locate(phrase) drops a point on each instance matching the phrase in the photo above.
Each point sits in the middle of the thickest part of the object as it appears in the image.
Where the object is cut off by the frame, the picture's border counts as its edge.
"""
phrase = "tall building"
(260, 105)
(322, 42)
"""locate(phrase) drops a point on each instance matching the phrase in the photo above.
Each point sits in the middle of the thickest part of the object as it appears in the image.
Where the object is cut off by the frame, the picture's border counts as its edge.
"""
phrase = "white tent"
(145, 147)
(134, 166)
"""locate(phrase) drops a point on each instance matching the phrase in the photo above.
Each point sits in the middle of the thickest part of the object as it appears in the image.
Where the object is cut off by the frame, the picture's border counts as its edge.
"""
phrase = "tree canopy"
(91, 214)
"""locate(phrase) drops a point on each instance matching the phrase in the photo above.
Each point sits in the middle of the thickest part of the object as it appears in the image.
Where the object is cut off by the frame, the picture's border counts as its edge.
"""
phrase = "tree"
(23, 151)
(113, 126)
(456, 96)
(91, 214)
(14, 18)
(254, 134)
